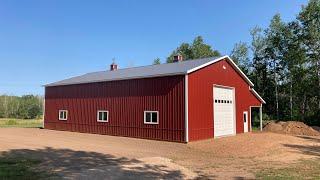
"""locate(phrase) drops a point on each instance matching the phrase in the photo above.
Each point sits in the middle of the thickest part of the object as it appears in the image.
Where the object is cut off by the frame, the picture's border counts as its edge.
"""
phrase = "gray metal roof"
(136, 72)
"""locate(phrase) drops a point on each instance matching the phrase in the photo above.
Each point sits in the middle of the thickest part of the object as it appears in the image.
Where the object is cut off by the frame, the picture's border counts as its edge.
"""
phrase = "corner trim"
(186, 108)
(44, 110)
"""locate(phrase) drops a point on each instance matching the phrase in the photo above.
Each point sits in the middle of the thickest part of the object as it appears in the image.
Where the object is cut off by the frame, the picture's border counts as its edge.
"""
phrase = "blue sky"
(42, 41)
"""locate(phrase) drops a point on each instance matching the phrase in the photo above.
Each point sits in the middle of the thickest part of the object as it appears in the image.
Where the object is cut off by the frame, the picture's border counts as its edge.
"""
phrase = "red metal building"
(182, 101)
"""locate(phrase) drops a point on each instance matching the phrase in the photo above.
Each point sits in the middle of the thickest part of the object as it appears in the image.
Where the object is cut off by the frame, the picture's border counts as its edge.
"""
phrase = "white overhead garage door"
(223, 109)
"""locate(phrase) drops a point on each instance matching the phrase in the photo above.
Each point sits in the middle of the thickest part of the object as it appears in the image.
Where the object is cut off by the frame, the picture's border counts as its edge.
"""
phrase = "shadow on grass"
(91, 165)
(20, 168)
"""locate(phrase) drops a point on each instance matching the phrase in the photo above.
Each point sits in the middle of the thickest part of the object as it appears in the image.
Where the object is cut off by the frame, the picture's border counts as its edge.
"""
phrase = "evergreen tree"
(156, 61)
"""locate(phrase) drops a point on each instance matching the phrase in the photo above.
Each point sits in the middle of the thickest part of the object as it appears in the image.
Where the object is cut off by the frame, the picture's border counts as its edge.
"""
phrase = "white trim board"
(145, 116)
(115, 79)
(63, 111)
(44, 111)
(184, 72)
(237, 69)
(257, 95)
(102, 111)
(219, 59)
(186, 109)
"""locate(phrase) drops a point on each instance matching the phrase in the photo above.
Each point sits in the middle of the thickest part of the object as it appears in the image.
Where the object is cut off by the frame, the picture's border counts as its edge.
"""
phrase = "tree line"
(24, 107)
(282, 60)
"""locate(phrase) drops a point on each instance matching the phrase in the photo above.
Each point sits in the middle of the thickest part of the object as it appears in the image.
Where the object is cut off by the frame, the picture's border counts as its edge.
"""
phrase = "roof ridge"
(136, 72)
(184, 61)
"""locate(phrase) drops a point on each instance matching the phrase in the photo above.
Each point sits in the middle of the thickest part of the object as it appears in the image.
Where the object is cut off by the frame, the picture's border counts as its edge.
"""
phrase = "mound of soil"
(291, 127)
(317, 128)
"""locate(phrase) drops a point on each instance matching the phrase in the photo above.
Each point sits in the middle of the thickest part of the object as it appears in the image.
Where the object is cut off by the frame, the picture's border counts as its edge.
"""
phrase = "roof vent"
(177, 58)
(113, 66)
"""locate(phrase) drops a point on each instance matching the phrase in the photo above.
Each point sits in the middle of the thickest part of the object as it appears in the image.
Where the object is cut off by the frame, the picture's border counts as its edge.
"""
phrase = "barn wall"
(200, 98)
(126, 102)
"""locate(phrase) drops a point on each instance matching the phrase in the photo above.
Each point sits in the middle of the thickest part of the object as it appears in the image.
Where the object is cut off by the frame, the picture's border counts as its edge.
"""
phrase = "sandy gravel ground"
(88, 156)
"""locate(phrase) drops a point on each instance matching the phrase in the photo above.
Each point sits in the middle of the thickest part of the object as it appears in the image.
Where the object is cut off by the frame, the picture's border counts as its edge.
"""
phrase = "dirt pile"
(291, 127)
(317, 128)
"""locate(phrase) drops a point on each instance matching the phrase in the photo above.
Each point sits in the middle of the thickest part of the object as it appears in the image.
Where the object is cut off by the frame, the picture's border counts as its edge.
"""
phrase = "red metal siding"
(126, 102)
(200, 98)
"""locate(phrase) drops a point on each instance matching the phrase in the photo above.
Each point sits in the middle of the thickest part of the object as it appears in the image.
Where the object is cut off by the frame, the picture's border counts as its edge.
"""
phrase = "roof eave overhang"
(161, 75)
(116, 79)
(219, 59)
(258, 96)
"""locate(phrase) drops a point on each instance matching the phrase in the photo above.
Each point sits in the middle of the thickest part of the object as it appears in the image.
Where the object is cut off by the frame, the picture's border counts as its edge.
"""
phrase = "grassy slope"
(20, 168)
(306, 169)
(27, 123)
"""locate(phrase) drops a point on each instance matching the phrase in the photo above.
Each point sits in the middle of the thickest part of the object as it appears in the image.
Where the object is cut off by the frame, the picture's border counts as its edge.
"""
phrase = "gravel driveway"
(89, 156)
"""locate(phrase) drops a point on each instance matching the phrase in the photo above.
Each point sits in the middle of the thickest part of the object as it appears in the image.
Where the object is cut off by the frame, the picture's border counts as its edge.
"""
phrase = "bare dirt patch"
(89, 156)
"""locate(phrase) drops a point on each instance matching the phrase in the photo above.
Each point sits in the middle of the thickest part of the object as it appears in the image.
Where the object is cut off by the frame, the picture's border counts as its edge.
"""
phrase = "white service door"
(245, 121)
(223, 109)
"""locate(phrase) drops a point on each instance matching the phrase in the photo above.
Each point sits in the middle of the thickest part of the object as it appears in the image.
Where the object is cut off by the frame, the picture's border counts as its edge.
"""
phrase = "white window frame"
(145, 116)
(63, 119)
(102, 111)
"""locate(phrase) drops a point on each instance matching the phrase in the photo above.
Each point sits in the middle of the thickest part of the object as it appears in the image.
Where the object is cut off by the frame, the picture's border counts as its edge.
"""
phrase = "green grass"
(23, 123)
(255, 128)
(307, 169)
(20, 168)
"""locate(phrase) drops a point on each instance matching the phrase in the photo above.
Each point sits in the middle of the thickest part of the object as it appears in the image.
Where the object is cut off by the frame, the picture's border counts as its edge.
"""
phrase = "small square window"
(215, 101)
(63, 115)
(224, 101)
(103, 116)
(218, 101)
(151, 117)
(228, 101)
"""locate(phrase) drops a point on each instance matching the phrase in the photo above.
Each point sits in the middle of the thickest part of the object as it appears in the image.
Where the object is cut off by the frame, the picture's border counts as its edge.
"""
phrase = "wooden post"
(260, 117)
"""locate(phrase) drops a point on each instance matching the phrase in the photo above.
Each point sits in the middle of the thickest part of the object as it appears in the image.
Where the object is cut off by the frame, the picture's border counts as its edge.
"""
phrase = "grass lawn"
(255, 128)
(20, 168)
(24, 123)
(306, 169)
